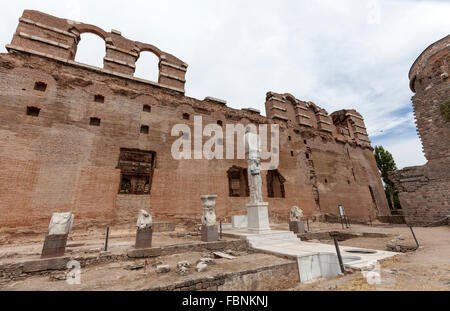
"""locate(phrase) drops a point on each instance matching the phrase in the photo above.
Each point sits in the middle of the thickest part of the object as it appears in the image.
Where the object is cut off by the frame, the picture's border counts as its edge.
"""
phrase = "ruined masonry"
(424, 191)
(96, 142)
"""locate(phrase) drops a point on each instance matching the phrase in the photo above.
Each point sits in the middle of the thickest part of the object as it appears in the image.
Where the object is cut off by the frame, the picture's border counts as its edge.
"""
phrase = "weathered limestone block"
(144, 220)
(163, 269)
(144, 232)
(201, 267)
(60, 224)
(296, 224)
(209, 214)
(209, 228)
(144, 238)
(296, 214)
(210, 233)
(59, 229)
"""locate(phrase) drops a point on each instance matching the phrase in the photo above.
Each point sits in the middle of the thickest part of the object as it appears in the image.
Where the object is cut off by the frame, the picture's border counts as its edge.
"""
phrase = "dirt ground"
(428, 268)
(118, 276)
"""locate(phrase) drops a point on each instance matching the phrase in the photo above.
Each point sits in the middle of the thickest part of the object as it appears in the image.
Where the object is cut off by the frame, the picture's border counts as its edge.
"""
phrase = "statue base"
(258, 217)
(54, 246)
(209, 233)
(297, 227)
(144, 238)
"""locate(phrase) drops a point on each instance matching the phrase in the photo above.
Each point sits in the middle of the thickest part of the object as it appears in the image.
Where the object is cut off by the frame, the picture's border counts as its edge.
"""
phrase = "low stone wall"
(21, 270)
(270, 278)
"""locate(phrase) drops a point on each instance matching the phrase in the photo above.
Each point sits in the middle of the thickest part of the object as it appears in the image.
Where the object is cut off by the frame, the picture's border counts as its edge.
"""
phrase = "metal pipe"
(220, 229)
(107, 237)
(307, 222)
(415, 239)
(336, 244)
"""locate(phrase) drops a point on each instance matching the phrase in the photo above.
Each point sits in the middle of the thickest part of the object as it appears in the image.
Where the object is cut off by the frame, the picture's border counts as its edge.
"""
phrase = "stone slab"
(54, 246)
(144, 253)
(209, 233)
(297, 227)
(223, 255)
(144, 238)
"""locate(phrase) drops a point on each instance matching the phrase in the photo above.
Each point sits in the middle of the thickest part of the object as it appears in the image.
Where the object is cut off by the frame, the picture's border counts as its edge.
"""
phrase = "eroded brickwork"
(424, 191)
(64, 126)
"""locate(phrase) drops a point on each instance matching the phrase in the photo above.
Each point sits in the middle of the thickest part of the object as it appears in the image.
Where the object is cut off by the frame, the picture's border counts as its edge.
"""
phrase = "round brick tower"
(429, 79)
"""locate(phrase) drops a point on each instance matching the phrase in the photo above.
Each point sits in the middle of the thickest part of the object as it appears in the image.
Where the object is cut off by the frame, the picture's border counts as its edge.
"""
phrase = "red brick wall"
(57, 162)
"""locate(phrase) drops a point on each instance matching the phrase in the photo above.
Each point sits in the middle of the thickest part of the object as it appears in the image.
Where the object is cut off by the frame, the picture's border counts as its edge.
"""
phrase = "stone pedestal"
(144, 238)
(54, 245)
(258, 217)
(209, 233)
(297, 227)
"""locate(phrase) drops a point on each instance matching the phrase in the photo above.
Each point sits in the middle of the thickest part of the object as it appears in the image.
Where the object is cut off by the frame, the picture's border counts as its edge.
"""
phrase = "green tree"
(386, 164)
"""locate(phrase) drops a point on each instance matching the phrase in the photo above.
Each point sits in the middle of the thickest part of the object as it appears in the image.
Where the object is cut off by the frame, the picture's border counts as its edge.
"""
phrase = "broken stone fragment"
(206, 261)
(296, 214)
(183, 270)
(61, 223)
(201, 267)
(58, 276)
(184, 263)
(163, 269)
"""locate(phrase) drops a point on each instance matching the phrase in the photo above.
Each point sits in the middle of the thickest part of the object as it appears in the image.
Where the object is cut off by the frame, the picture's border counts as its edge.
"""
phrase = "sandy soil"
(116, 276)
(428, 268)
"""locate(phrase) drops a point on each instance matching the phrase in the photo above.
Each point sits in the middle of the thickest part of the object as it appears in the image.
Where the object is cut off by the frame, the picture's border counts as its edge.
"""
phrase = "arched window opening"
(147, 67)
(275, 184)
(90, 50)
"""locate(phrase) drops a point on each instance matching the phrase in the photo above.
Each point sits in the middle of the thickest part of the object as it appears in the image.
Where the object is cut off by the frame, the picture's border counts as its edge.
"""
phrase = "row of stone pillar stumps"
(61, 224)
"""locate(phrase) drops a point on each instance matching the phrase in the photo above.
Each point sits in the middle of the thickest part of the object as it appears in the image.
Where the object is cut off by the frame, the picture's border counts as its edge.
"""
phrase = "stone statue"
(61, 223)
(144, 220)
(252, 148)
(296, 214)
(255, 180)
(209, 213)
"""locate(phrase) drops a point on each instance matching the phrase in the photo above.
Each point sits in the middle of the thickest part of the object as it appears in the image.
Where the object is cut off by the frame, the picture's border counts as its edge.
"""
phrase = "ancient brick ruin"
(97, 141)
(424, 191)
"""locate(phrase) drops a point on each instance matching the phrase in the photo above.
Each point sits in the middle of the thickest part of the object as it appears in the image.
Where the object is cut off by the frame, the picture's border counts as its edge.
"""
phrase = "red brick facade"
(424, 191)
(76, 138)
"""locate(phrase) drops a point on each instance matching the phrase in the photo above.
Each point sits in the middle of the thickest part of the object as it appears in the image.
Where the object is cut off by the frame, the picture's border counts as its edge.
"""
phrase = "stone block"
(144, 252)
(298, 227)
(209, 233)
(144, 238)
(45, 264)
(54, 246)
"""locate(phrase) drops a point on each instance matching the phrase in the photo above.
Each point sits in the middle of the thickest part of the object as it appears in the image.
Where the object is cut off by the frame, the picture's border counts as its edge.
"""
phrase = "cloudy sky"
(338, 54)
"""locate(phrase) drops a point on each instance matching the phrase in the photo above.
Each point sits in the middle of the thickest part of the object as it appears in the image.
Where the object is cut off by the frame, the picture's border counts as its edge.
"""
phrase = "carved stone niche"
(209, 227)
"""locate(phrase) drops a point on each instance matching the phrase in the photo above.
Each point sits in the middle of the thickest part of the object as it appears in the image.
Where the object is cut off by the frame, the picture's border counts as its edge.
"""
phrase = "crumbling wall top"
(49, 36)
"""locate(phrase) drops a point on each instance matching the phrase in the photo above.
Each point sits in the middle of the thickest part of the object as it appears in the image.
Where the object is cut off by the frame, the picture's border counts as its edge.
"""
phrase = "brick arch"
(82, 29)
(85, 28)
